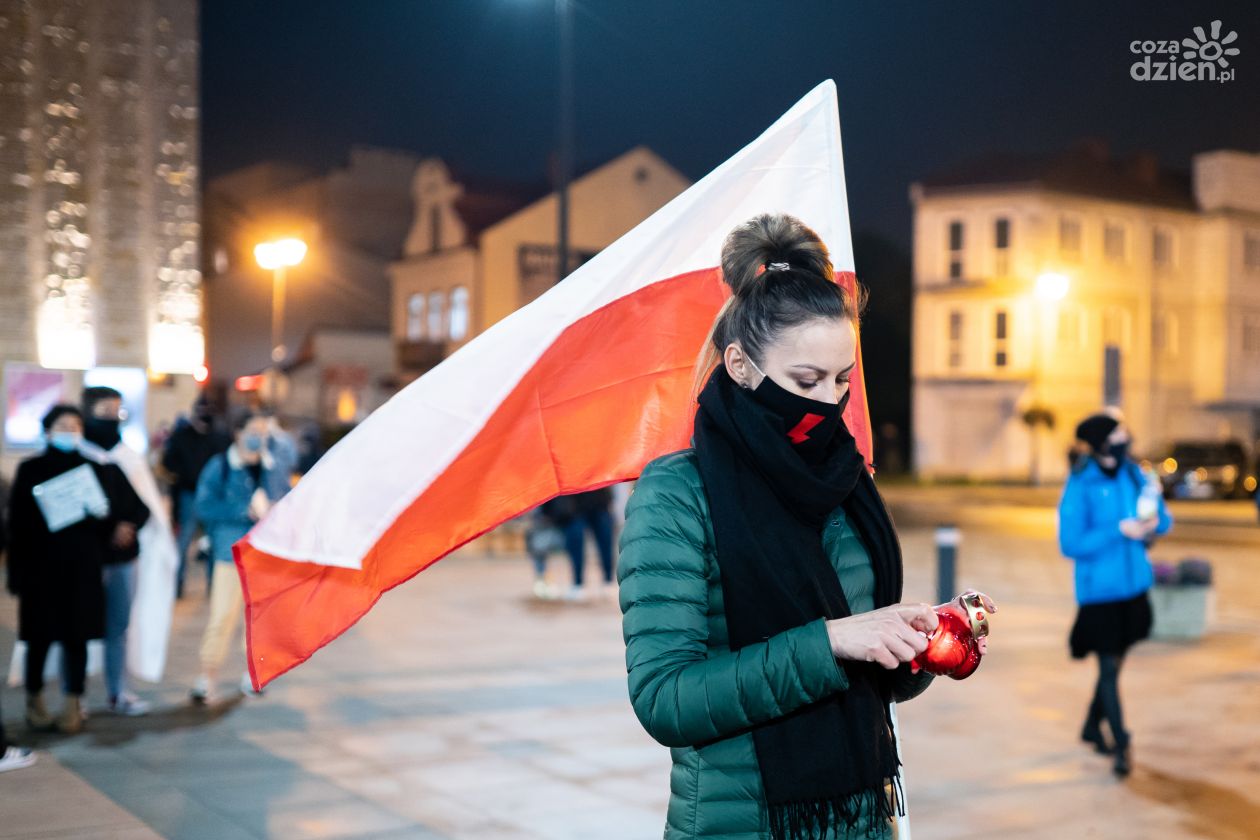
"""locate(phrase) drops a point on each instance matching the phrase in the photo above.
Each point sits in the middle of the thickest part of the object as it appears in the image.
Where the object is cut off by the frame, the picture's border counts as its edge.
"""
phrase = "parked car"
(1207, 470)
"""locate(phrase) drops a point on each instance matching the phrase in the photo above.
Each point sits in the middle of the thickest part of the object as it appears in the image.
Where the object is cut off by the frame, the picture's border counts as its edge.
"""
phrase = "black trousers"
(1106, 702)
(73, 665)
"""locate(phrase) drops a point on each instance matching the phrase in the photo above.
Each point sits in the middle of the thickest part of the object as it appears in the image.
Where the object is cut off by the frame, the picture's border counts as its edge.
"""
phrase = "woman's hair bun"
(771, 238)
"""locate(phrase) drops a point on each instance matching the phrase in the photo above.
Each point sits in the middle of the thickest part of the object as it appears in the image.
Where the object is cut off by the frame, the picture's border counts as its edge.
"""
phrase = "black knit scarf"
(826, 764)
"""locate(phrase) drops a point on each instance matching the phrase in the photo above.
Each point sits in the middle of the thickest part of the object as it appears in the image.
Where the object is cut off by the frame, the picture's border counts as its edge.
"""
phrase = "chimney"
(1227, 180)
(1144, 166)
(1096, 149)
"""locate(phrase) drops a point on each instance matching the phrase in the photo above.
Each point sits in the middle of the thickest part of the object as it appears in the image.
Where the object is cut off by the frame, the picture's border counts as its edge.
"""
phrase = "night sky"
(922, 85)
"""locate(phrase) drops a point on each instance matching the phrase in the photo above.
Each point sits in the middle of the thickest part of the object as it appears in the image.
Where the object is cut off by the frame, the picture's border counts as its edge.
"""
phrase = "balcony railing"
(420, 356)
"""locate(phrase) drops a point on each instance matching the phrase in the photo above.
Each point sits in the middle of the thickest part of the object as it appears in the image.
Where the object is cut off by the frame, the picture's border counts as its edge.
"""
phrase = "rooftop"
(1087, 169)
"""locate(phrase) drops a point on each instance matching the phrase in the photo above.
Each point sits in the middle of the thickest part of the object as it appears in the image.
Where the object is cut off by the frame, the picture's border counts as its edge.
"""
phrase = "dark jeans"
(1106, 702)
(188, 527)
(73, 665)
(600, 523)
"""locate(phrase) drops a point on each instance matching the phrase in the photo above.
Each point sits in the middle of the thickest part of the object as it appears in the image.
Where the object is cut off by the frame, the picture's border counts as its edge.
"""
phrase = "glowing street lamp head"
(279, 253)
(1052, 286)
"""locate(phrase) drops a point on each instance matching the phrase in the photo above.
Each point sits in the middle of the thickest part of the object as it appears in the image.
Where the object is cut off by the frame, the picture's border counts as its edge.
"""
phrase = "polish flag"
(577, 390)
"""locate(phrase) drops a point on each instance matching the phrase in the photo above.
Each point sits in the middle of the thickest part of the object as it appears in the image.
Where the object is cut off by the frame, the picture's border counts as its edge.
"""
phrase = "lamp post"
(564, 154)
(1049, 288)
(277, 256)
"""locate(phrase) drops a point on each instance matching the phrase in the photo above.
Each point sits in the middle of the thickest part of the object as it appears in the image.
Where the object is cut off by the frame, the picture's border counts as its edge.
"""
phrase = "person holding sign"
(67, 513)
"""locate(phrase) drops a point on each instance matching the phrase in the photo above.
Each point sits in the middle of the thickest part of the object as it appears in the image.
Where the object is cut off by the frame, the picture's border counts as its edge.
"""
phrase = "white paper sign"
(70, 498)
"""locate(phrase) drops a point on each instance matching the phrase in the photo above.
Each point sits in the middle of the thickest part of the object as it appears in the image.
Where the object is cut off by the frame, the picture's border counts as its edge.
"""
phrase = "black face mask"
(1119, 451)
(102, 432)
(810, 424)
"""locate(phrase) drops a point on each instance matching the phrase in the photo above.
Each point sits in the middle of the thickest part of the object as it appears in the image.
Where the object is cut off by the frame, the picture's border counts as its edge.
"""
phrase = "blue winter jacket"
(1109, 565)
(223, 493)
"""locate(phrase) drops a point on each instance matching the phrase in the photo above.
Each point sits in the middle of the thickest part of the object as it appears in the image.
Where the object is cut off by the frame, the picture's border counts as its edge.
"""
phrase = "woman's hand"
(124, 535)
(1138, 529)
(889, 636)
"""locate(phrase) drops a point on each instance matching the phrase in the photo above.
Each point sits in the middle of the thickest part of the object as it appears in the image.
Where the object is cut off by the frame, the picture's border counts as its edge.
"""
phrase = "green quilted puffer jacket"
(689, 690)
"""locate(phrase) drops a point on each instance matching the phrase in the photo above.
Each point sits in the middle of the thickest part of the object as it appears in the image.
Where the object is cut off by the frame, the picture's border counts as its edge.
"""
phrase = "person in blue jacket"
(235, 490)
(1110, 512)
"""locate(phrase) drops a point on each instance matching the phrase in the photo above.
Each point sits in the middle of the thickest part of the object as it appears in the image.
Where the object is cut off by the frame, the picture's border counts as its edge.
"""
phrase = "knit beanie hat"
(1095, 430)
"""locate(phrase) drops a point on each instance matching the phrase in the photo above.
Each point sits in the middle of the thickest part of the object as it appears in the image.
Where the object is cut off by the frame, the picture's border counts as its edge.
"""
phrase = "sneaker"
(129, 705)
(247, 686)
(544, 591)
(15, 758)
(200, 693)
(575, 595)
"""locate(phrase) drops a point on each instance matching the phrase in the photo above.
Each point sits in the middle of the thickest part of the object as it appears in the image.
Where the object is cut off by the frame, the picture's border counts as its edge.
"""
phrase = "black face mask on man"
(810, 424)
(102, 431)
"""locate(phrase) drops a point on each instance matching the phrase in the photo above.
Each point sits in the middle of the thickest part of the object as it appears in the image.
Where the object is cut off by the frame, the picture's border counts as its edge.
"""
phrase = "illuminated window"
(1113, 241)
(1162, 247)
(1070, 333)
(415, 317)
(1251, 251)
(955, 250)
(459, 313)
(437, 329)
(955, 339)
(1251, 335)
(1164, 336)
(1001, 337)
(1070, 237)
(1002, 246)
(1115, 327)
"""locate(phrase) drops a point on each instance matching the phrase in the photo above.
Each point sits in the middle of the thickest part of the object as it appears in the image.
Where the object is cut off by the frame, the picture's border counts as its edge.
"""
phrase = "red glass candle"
(954, 648)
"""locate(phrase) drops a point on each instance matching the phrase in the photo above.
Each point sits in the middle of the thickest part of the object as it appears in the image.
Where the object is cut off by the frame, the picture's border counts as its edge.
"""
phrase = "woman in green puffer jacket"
(760, 574)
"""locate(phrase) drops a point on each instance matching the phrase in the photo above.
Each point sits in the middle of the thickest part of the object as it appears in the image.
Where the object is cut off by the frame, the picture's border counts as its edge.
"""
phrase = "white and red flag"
(577, 390)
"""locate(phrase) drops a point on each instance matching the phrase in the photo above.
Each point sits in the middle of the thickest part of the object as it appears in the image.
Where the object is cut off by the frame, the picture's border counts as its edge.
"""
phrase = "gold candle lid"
(973, 606)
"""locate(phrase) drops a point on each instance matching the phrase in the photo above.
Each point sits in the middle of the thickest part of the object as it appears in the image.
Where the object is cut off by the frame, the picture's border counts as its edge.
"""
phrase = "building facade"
(1151, 303)
(354, 220)
(99, 200)
(476, 254)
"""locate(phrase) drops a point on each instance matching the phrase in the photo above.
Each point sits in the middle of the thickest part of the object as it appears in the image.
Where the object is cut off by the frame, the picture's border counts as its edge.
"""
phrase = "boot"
(1124, 763)
(1092, 734)
(71, 720)
(37, 716)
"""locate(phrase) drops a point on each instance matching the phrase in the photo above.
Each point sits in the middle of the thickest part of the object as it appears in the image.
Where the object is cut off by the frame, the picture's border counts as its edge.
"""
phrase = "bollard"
(947, 539)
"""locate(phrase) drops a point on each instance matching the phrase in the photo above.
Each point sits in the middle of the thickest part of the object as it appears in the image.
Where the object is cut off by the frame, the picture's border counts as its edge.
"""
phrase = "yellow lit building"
(1048, 287)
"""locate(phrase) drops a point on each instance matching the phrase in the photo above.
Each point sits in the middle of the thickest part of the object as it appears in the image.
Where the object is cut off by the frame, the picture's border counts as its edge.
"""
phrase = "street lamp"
(1052, 287)
(1049, 288)
(276, 256)
(564, 156)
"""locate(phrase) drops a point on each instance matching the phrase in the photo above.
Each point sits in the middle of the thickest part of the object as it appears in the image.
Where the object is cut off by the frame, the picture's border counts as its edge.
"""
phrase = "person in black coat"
(56, 575)
(192, 444)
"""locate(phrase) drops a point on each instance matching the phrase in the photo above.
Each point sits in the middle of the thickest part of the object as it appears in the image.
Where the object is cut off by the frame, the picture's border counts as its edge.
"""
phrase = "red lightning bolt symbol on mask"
(800, 433)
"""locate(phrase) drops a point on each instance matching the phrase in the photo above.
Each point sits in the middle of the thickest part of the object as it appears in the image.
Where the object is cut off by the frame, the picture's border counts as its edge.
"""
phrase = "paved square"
(461, 708)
